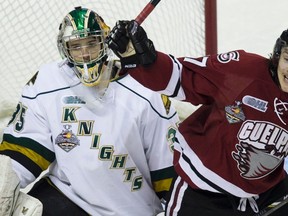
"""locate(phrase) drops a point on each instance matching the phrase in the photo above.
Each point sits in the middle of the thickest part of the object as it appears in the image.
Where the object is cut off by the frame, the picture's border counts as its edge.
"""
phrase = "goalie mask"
(81, 40)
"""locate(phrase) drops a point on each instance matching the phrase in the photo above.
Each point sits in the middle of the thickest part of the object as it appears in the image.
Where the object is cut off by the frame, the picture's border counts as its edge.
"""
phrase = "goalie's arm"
(12, 201)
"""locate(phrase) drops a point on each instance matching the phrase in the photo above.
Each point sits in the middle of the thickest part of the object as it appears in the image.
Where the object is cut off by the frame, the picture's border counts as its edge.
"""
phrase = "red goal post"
(210, 27)
(29, 29)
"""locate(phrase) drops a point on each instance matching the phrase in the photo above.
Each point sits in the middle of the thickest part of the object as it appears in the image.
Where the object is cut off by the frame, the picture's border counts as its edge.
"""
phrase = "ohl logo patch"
(234, 113)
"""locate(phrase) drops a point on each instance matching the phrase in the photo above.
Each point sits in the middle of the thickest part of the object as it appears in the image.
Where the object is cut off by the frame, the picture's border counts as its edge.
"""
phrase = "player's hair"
(281, 42)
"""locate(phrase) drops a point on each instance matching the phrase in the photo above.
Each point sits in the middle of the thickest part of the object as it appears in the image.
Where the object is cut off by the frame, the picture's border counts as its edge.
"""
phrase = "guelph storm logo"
(262, 147)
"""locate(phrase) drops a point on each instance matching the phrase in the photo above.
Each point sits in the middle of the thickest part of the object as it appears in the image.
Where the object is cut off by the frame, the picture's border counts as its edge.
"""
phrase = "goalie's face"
(85, 50)
(86, 54)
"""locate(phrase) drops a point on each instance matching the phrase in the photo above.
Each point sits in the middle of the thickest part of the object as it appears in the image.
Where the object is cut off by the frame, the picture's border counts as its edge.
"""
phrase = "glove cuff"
(129, 62)
(149, 56)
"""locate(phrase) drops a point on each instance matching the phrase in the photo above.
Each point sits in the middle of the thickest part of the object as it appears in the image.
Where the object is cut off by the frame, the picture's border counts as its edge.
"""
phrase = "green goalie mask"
(81, 40)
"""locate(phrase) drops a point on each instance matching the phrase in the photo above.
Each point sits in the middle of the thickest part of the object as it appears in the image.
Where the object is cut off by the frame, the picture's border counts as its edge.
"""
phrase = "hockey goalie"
(13, 202)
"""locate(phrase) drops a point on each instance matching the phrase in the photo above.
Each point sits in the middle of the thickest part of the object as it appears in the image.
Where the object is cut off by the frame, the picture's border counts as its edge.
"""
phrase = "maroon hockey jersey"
(236, 141)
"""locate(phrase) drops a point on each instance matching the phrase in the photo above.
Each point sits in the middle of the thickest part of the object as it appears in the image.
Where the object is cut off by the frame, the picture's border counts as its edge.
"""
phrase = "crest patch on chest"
(67, 140)
(234, 113)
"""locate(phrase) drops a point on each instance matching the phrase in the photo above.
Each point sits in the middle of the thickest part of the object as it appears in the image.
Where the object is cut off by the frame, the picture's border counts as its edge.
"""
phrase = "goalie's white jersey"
(109, 154)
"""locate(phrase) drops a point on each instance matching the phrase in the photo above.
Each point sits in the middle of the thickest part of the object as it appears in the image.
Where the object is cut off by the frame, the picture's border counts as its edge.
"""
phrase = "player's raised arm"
(130, 43)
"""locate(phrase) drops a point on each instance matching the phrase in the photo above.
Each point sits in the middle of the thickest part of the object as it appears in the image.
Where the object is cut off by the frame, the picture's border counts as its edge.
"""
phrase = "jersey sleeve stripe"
(161, 174)
(24, 161)
(162, 185)
(36, 158)
(31, 144)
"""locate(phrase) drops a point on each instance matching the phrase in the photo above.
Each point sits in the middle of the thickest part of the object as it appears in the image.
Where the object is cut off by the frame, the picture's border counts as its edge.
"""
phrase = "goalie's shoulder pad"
(27, 205)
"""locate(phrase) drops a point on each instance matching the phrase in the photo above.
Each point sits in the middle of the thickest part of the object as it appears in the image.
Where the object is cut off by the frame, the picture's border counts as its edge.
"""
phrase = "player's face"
(85, 50)
(282, 70)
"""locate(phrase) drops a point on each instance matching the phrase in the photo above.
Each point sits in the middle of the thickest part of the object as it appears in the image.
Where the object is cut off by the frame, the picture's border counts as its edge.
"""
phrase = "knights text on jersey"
(109, 153)
(237, 140)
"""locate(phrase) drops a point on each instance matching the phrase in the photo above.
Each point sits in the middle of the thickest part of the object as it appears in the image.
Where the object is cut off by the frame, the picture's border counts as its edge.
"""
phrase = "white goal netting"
(29, 29)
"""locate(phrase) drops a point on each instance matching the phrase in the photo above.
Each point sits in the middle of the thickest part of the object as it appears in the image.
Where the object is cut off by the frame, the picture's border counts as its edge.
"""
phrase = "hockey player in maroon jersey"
(230, 152)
